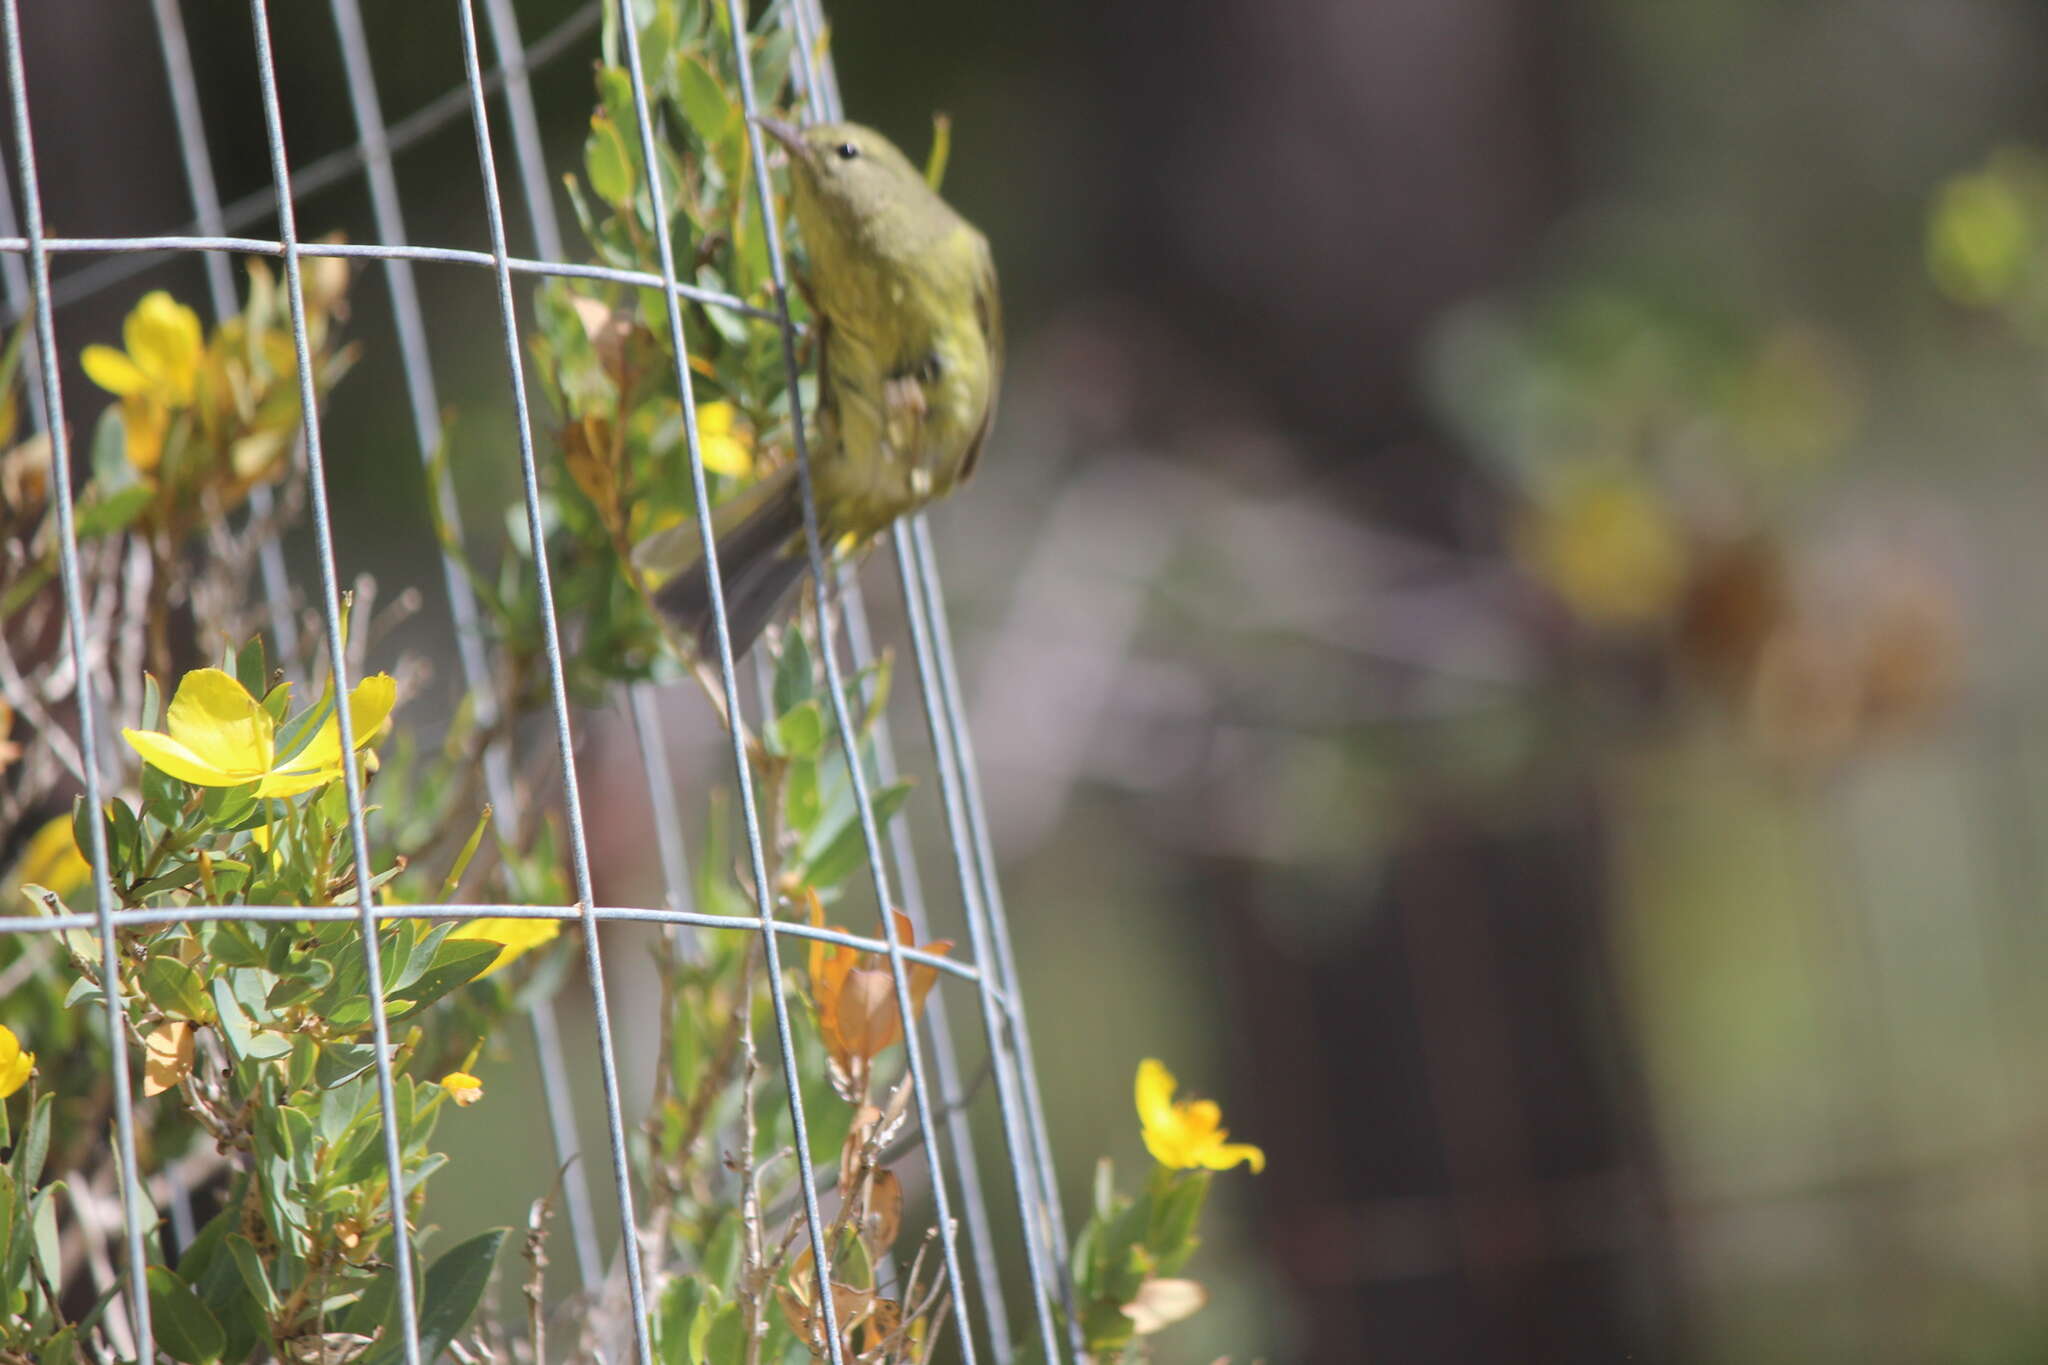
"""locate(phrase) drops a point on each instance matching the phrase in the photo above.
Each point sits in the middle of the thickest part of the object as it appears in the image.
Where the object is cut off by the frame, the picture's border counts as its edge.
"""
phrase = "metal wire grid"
(991, 968)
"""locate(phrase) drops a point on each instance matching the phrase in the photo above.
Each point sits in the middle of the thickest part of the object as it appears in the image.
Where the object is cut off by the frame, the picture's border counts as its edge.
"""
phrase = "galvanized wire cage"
(987, 973)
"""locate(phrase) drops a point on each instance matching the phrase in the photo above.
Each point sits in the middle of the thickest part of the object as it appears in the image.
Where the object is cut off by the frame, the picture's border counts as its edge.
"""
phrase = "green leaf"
(248, 668)
(186, 1329)
(61, 1349)
(1170, 1233)
(35, 1145)
(722, 1251)
(772, 55)
(1105, 1188)
(709, 110)
(298, 981)
(801, 802)
(843, 849)
(374, 1309)
(801, 730)
(228, 944)
(177, 879)
(456, 963)
(453, 1288)
(469, 848)
(341, 1062)
(295, 734)
(125, 835)
(102, 515)
(175, 988)
(727, 1338)
(227, 807)
(674, 1319)
(110, 468)
(234, 1025)
(792, 672)
(609, 163)
(81, 827)
(359, 1154)
(250, 1266)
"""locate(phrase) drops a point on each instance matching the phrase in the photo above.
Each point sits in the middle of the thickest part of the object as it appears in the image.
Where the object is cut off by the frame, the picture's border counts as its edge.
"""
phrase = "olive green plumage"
(911, 359)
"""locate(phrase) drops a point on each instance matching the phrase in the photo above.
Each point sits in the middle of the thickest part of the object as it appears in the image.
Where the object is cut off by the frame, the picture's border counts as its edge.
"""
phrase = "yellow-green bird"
(912, 354)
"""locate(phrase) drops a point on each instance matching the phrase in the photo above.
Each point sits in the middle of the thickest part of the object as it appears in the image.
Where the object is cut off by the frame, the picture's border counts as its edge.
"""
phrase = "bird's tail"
(760, 559)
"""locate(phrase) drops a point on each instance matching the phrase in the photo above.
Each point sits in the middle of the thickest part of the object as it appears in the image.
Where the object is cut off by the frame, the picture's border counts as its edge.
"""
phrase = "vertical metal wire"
(530, 157)
(421, 393)
(1004, 963)
(764, 891)
(821, 583)
(922, 594)
(572, 800)
(981, 1240)
(323, 535)
(816, 91)
(205, 193)
(1015, 1138)
(74, 616)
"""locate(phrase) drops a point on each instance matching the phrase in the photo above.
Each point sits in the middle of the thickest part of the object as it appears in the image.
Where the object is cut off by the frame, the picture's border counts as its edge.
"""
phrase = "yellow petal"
(214, 717)
(714, 419)
(1154, 1095)
(162, 336)
(463, 1088)
(513, 935)
(726, 454)
(112, 370)
(168, 756)
(369, 706)
(144, 424)
(15, 1065)
(14, 1076)
(1221, 1156)
(52, 859)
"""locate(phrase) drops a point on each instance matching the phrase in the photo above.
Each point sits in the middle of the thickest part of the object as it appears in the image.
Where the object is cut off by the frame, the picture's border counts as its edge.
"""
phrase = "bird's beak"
(788, 135)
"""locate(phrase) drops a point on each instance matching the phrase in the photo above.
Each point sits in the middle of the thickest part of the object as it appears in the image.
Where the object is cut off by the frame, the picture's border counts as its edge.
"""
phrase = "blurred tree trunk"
(1463, 1168)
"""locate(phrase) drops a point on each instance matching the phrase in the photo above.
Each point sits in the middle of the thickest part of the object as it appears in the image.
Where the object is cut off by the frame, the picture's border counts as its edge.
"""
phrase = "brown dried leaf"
(856, 1142)
(167, 1058)
(884, 1212)
(885, 1317)
(609, 330)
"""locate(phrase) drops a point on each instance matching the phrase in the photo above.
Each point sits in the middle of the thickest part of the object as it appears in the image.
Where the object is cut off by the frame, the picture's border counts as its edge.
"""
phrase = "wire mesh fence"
(974, 1255)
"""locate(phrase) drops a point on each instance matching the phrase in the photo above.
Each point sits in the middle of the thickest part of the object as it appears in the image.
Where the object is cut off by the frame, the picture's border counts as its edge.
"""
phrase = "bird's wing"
(988, 314)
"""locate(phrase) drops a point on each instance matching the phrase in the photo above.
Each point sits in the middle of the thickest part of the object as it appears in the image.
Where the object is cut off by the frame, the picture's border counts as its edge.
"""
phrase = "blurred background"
(1501, 619)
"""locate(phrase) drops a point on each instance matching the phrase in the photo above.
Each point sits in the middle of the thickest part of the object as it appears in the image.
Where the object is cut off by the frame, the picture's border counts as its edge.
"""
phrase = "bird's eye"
(847, 151)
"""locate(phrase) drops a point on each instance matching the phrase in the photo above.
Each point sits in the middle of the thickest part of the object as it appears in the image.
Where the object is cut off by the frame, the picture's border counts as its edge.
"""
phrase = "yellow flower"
(15, 1065)
(463, 1088)
(1186, 1134)
(157, 373)
(728, 447)
(1609, 548)
(52, 860)
(220, 736)
(513, 936)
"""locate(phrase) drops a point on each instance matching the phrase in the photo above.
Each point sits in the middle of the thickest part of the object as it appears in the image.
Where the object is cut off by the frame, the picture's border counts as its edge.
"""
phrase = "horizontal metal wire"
(30, 924)
(446, 255)
(337, 166)
(129, 255)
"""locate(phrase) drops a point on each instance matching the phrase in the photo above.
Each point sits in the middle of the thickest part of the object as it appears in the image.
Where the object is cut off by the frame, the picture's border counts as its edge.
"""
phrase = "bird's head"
(851, 175)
